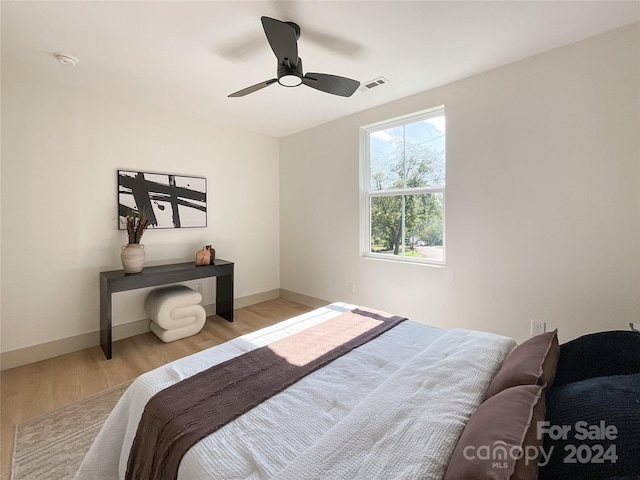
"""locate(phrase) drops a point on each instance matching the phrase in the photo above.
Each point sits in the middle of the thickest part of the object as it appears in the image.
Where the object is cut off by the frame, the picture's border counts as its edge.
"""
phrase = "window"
(403, 188)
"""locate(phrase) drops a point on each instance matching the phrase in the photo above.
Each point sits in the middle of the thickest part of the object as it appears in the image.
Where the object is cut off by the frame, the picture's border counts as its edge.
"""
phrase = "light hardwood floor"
(41, 387)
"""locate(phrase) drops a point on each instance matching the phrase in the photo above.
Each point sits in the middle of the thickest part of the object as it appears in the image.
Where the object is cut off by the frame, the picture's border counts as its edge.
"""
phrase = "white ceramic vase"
(132, 256)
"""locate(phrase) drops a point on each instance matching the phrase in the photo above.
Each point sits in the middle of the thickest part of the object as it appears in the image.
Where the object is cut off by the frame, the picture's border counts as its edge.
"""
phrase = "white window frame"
(366, 194)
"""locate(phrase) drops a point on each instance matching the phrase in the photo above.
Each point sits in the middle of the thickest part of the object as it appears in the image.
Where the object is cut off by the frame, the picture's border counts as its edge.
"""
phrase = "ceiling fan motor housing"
(288, 75)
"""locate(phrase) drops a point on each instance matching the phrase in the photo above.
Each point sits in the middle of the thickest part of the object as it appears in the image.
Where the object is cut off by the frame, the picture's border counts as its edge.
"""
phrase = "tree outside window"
(404, 193)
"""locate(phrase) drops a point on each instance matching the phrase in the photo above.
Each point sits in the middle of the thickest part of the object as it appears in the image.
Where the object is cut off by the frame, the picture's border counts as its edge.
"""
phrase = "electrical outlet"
(199, 288)
(635, 326)
(538, 327)
(351, 287)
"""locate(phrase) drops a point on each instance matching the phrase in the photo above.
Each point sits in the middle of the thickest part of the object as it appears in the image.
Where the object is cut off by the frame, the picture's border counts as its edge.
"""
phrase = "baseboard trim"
(130, 329)
(43, 351)
(247, 300)
(303, 299)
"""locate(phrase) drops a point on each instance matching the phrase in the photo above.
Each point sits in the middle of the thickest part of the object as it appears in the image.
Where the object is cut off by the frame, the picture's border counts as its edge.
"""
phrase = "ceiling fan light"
(290, 80)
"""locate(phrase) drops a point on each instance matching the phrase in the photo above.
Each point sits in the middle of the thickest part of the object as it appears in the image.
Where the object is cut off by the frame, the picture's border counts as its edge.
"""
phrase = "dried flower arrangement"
(136, 223)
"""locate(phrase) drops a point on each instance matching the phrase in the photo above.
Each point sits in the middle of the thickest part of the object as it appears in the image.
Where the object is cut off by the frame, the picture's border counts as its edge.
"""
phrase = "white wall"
(542, 201)
(61, 148)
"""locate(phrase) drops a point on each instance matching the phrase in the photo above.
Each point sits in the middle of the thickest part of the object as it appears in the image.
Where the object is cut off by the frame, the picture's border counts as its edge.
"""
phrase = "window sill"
(400, 259)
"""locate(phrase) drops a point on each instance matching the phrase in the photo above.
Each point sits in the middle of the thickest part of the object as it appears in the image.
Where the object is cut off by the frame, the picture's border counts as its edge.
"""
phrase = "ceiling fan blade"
(345, 87)
(253, 88)
(282, 38)
(328, 41)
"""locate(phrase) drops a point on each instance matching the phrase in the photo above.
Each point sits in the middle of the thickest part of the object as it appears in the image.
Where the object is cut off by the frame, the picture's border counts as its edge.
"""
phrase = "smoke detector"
(371, 84)
(66, 60)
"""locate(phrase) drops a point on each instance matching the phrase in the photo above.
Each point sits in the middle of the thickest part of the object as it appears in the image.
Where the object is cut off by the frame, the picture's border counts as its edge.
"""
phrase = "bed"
(403, 405)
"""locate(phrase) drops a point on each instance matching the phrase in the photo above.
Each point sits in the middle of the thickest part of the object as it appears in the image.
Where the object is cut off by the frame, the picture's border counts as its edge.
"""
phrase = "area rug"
(53, 445)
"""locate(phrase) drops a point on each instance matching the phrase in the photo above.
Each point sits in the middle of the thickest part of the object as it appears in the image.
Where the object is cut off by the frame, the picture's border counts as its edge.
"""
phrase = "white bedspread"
(393, 408)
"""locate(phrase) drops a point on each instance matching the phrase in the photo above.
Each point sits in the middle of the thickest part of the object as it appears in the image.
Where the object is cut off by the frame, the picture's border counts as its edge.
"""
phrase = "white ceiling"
(187, 56)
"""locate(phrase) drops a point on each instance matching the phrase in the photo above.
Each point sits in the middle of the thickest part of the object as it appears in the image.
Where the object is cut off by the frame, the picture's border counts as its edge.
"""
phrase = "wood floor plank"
(32, 390)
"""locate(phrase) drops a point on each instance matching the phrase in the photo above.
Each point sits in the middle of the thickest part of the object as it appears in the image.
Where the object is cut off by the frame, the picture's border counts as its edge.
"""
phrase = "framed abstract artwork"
(172, 201)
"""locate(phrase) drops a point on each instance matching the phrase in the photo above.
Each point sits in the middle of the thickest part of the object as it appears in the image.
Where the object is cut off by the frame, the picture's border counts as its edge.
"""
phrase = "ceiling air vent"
(371, 84)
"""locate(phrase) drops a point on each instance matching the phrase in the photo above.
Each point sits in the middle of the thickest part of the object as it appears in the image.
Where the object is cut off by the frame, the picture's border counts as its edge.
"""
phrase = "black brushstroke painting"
(173, 201)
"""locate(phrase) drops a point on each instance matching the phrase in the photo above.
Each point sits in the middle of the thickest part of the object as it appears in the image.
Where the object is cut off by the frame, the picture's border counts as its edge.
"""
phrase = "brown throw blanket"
(179, 416)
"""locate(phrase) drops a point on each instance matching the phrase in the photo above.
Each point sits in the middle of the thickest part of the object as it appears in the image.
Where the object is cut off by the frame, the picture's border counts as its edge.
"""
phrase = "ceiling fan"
(283, 38)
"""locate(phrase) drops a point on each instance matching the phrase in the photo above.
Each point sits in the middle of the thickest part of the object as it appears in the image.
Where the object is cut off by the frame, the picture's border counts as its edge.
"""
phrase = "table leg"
(224, 297)
(105, 318)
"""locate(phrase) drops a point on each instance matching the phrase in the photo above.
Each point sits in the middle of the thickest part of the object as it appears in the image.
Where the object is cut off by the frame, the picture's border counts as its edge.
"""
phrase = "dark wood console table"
(118, 281)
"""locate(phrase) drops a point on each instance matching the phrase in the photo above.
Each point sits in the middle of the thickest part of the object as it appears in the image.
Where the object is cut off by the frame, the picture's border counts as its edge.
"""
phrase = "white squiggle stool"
(175, 312)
